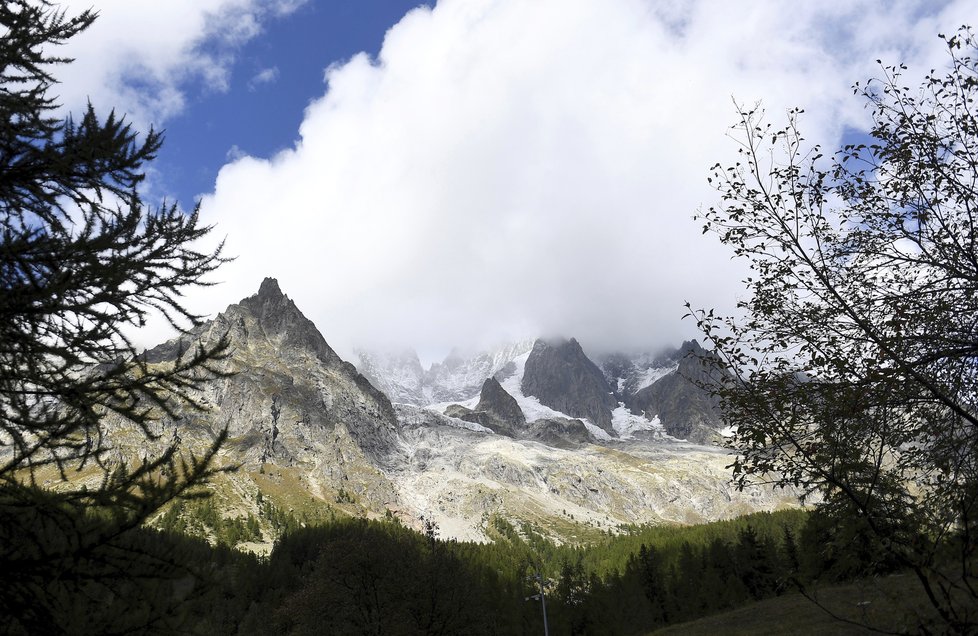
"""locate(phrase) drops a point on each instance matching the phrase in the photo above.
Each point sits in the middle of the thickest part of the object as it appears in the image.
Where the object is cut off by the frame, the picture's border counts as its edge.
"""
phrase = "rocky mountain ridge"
(562, 377)
(310, 433)
(619, 394)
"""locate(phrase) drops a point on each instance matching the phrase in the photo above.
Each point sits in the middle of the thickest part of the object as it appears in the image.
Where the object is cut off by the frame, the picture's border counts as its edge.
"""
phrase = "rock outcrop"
(561, 376)
(287, 392)
(685, 409)
(497, 402)
(497, 410)
(560, 432)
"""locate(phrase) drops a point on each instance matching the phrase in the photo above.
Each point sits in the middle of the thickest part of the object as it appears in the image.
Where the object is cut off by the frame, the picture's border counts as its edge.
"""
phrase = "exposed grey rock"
(686, 410)
(560, 432)
(457, 410)
(497, 402)
(562, 377)
(496, 410)
(629, 373)
(618, 368)
(288, 391)
(490, 421)
(506, 372)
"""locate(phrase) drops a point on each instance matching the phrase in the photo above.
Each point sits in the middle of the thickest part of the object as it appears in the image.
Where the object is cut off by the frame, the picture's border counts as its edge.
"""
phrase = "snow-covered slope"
(400, 376)
(460, 377)
(532, 408)
(457, 379)
(630, 373)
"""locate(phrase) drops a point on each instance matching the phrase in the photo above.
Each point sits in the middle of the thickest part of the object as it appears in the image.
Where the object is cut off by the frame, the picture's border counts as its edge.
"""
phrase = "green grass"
(892, 604)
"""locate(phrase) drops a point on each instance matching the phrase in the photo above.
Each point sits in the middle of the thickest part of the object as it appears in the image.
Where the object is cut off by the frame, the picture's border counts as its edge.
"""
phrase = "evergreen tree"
(653, 579)
(756, 563)
(82, 262)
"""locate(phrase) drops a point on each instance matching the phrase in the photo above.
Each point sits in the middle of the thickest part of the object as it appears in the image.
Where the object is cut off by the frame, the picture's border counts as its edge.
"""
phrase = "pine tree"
(83, 262)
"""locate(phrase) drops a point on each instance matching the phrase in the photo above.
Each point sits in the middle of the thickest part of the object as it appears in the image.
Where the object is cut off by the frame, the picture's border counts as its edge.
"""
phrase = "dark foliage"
(855, 361)
(83, 262)
(359, 577)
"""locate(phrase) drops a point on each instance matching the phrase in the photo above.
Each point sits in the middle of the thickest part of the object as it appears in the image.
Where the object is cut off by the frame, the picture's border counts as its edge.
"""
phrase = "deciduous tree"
(855, 355)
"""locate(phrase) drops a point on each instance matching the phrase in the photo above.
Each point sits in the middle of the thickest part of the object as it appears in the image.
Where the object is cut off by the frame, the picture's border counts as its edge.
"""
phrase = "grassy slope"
(891, 604)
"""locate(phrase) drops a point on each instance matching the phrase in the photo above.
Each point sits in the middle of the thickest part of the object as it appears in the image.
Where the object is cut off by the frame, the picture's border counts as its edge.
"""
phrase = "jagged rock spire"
(269, 289)
(561, 376)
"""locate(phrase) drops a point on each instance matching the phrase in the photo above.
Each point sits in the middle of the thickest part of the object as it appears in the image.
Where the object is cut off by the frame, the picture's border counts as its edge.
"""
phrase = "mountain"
(496, 410)
(667, 388)
(457, 378)
(312, 436)
(562, 377)
(629, 374)
(295, 412)
(399, 375)
(287, 389)
(638, 395)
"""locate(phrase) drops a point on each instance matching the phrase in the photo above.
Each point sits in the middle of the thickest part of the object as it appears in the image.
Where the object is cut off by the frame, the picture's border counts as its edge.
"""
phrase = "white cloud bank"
(508, 167)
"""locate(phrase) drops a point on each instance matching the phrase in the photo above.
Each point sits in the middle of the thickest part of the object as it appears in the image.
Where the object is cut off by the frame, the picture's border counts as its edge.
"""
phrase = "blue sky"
(475, 171)
(260, 115)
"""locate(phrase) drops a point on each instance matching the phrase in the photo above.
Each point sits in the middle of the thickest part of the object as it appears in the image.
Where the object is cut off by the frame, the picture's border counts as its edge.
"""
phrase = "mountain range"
(620, 394)
(534, 432)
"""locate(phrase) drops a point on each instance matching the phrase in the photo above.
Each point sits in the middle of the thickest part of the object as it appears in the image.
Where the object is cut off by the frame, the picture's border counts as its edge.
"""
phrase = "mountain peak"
(561, 376)
(495, 400)
(691, 346)
(278, 317)
(269, 289)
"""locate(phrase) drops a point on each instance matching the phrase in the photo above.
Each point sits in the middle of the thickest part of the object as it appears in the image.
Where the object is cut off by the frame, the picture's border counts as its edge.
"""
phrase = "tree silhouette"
(855, 358)
(83, 262)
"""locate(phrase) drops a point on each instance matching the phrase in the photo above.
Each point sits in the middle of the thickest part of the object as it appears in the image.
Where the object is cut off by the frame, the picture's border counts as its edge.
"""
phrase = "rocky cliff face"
(314, 436)
(496, 401)
(685, 409)
(289, 399)
(497, 410)
(560, 432)
(563, 378)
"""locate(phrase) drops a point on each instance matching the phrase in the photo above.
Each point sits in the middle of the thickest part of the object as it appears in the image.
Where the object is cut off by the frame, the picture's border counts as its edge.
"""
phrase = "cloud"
(262, 77)
(139, 57)
(508, 168)
(234, 153)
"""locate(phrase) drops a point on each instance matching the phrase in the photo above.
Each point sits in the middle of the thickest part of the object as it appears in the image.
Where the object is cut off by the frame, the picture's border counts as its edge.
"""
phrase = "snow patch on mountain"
(626, 423)
(531, 406)
(400, 376)
(649, 376)
(593, 429)
(455, 380)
